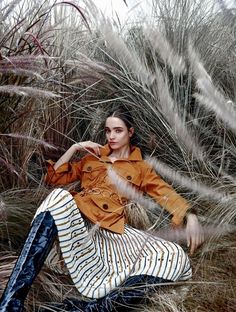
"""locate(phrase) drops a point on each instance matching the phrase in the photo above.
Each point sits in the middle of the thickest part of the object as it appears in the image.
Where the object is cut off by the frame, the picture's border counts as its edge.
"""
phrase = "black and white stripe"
(99, 261)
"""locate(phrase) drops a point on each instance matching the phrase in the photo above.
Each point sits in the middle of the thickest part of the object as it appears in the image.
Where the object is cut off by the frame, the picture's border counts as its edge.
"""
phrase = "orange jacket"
(99, 200)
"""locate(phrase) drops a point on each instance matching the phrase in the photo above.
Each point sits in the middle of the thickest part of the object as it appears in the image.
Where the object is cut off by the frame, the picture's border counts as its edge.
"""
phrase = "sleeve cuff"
(179, 217)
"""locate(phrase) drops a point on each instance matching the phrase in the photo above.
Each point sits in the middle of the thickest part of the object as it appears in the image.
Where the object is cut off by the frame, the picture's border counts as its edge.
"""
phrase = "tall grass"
(63, 65)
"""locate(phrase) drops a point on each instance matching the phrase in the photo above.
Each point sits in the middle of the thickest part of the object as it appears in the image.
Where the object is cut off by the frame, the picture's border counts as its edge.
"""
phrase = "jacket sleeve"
(164, 195)
(65, 174)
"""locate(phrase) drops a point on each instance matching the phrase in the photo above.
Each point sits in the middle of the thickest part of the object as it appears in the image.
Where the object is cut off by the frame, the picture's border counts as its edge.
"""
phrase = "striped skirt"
(98, 260)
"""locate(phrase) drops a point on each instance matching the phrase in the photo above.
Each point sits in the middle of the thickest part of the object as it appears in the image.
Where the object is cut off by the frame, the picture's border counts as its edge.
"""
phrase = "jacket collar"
(135, 154)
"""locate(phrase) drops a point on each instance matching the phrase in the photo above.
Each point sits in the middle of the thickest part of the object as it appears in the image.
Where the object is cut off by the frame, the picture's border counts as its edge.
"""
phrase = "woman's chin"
(113, 146)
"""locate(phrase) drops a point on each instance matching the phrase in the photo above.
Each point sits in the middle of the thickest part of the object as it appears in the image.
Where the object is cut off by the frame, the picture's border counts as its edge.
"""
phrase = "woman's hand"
(88, 146)
(194, 232)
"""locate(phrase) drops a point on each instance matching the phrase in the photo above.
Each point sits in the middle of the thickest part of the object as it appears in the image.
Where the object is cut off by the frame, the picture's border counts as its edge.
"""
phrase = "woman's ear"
(131, 132)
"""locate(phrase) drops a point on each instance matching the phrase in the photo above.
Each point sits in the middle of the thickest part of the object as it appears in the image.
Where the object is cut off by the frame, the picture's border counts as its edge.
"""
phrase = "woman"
(111, 254)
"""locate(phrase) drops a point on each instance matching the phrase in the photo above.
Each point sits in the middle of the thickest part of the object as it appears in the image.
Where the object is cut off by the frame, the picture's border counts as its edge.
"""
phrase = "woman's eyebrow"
(114, 128)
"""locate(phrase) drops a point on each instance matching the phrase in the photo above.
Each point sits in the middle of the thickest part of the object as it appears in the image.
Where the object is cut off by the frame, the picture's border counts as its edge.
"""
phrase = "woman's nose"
(112, 135)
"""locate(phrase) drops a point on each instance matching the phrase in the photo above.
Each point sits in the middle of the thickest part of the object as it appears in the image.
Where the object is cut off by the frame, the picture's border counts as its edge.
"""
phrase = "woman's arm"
(176, 205)
(63, 171)
(165, 195)
(87, 145)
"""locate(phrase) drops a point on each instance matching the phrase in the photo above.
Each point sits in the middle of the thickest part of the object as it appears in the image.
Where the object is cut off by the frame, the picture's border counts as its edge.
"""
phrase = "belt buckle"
(96, 191)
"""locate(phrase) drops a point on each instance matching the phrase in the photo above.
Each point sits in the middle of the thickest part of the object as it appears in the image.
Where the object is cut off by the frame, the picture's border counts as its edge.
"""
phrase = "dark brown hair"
(123, 114)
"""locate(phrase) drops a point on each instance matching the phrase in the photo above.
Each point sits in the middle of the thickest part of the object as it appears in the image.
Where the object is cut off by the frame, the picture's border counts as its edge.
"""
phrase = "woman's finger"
(192, 247)
(197, 239)
(188, 238)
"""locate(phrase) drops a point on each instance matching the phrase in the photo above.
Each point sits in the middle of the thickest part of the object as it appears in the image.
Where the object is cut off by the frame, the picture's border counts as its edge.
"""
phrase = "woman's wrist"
(191, 213)
(77, 147)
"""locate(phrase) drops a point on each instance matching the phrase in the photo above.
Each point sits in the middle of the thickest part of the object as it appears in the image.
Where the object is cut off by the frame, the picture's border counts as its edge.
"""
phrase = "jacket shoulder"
(145, 165)
(88, 157)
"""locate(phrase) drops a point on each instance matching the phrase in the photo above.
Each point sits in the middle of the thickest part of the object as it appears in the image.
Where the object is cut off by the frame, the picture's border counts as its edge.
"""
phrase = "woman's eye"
(118, 131)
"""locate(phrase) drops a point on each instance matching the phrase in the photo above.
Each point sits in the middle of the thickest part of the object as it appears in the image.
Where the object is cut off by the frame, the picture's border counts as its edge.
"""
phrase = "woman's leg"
(35, 250)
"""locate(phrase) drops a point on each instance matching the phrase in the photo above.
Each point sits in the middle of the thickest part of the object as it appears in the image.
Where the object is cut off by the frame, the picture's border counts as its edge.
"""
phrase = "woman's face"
(117, 133)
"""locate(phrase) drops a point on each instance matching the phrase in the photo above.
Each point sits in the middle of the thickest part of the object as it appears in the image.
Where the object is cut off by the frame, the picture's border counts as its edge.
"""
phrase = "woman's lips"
(112, 142)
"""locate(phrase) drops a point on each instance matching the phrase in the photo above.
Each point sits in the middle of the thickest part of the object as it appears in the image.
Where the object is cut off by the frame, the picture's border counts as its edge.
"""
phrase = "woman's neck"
(124, 152)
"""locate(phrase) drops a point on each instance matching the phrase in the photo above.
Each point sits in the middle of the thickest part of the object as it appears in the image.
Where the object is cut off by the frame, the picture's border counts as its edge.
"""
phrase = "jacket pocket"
(107, 205)
(93, 170)
(130, 174)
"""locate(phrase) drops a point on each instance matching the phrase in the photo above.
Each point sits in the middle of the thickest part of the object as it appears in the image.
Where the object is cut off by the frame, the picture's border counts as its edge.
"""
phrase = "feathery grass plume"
(29, 138)
(160, 44)
(169, 112)
(213, 100)
(33, 62)
(10, 167)
(3, 213)
(87, 63)
(127, 56)
(89, 71)
(21, 72)
(168, 299)
(203, 191)
(211, 232)
(197, 66)
(136, 216)
(27, 91)
(210, 97)
(93, 228)
(55, 261)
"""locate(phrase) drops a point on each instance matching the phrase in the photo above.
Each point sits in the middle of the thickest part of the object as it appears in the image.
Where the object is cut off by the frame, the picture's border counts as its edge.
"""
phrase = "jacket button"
(89, 168)
(105, 206)
(129, 177)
